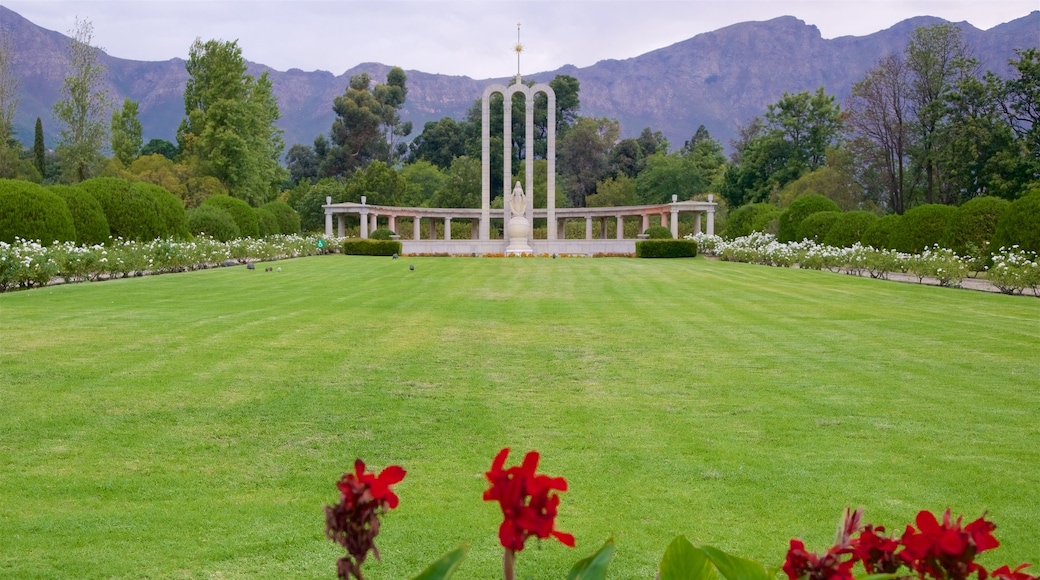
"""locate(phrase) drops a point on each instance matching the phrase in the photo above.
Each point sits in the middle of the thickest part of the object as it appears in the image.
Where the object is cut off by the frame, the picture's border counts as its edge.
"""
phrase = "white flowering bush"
(1013, 270)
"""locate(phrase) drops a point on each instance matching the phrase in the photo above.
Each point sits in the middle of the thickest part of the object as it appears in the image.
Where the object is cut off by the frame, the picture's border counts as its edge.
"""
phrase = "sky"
(474, 39)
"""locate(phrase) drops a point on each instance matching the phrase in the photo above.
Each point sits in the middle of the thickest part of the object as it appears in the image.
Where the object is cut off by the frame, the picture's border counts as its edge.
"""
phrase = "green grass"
(193, 425)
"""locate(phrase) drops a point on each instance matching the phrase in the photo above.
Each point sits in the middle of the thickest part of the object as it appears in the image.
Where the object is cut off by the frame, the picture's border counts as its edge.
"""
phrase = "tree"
(424, 180)
(391, 96)
(229, 127)
(356, 131)
(614, 192)
(162, 147)
(83, 106)
(936, 57)
(584, 154)
(302, 163)
(439, 143)
(808, 122)
(39, 150)
(462, 186)
(126, 133)
(9, 86)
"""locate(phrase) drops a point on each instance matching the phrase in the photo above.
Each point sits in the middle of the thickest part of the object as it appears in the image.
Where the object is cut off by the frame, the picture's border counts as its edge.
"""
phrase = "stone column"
(415, 227)
(711, 222)
(342, 225)
(447, 228)
(697, 222)
(364, 218)
(664, 219)
(561, 229)
(674, 225)
(507, 158)
(550, 182)
(620, 227)
(433, 229)
(328, 218)
(375, 222)
(392, 223)
(602, 228)
(588, 227)
(474, 231)
(646, 223)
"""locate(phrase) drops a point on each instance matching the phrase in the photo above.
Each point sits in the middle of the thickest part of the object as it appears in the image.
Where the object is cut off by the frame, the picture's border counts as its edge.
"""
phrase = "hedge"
(753, 217)
(658, 233)
(878, 234)
(362, 247)
(267, 222)
(921, 227)
(801, 208)
(212, 221)
(816, 226)
(31, 212)
(288, 219)
(87, 215)
(240, 211)
(974, 224)
(1020, 225)
(849, 228)
(380, 234)
(657, 248)
(131, 215)
(170, 209)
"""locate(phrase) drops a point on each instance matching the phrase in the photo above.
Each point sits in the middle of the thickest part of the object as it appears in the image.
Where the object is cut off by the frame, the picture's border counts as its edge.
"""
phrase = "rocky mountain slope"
(719, 79)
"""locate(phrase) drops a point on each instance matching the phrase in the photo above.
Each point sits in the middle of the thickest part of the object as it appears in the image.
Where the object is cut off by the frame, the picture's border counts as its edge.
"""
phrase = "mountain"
(720, 79)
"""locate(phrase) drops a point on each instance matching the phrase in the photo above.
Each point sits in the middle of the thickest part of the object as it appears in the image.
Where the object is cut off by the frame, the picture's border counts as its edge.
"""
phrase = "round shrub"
(816, 226)
(170, 209)
(658, 233)
(267, 223)
(240, 211)
(288, 219)
(212, 221)
(380, 234)
(1020, 225)
(87, 215)
(131, 215)
(879, 233)
(849, 228)
(801, 208)
(921, 227)
(30, 212)
(974, 223)
(753, 217)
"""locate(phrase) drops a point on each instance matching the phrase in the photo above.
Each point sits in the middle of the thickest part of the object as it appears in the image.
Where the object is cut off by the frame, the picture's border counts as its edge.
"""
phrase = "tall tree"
(83, 107)
(584, 156)
(126, 133)
(8, 91)
(357, 129)
(810, 123)
(229, 129)
(391, 97)
(39, 150)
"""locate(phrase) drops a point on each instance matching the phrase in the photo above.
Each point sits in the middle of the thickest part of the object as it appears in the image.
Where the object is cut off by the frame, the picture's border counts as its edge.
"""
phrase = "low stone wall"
(481, 247)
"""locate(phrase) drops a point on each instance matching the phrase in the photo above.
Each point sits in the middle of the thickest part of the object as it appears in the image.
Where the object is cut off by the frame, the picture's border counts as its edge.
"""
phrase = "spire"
(519, 48)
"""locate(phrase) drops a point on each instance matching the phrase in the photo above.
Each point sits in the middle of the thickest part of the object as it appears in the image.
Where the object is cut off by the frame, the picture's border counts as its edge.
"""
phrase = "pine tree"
(39, 151)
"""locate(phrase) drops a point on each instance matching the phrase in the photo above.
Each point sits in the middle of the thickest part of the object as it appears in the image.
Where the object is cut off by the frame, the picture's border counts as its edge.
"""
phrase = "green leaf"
(684, 561)
(889, 576)
(595, 566)
(445, 566)
(736, 568)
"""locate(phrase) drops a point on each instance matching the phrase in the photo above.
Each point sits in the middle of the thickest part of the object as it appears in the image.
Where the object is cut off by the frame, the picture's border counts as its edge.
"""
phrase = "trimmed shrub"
(753, 217)
(974, 224)
(879, 232)
(1020, 225)
(240, 211)
(801, 208)
(921, 227)
(170, 209)
(361, 247)
(288, 219)
(816, 226)
(267, 222)
(380, 234)
(849, 228)
(212, 221)
(31, 212)
(658, 233)
(660, 248)
(87, 215)
(131, 215)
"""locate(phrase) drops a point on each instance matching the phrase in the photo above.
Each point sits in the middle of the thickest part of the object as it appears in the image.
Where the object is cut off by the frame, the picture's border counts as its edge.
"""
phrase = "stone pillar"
(474, 230)
(711, 216)
(561, 229)
(328, 218)
(602, 228)
(433, 229)
(447, 228)
(697, 222)
(588, 227)
(375, 222)
(342, 225)
(674, 225)
(415, 227)
(392, 223)
(507, 158)
(646, 223)
(664, 219)
(620, 227)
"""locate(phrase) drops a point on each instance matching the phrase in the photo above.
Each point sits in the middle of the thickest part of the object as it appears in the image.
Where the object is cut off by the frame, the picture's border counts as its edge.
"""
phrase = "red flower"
(528, 506)
(354, 521)
(947, 551)
(804, 564)
(1004, 573)
(876, 551)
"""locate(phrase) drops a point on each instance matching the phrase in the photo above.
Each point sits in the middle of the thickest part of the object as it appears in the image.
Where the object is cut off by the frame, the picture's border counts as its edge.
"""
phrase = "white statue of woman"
(518, 200)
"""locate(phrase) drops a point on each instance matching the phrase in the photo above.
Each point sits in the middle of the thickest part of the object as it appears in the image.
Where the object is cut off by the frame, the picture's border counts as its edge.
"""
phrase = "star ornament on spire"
(519, 48)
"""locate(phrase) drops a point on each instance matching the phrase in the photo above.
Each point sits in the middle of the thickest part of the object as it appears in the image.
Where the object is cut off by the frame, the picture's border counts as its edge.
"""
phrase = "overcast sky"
(474, 39)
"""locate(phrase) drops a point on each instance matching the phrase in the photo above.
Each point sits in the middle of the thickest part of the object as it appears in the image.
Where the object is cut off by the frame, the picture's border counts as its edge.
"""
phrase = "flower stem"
(507, 564)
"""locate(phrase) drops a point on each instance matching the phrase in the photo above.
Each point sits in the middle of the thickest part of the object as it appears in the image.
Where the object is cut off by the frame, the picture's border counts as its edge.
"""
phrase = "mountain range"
(720, 79)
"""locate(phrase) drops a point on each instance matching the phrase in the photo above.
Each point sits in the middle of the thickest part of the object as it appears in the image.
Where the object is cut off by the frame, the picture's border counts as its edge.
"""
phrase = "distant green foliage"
(288, 219)
(753, 217)
(816, 226)
(801, 208)
(170, 210)
(360, 247)
(666, 248)
(87, 215)
(974, 224)
(1020, 224)
(240, 211)
(131, 215)
(380, 234)
(849, 228)
(658, 233)
(879, 233)
(267, 222)
(921, 227)
(213, 221)
(31, 212)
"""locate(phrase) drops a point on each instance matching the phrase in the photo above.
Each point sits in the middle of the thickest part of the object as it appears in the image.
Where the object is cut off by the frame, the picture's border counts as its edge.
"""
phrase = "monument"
(519, 227)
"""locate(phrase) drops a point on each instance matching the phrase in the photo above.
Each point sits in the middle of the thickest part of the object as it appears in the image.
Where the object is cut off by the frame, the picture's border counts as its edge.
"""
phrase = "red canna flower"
(1005, 573)
(528, 506)
(876, 550)
(832, 565)
(947, 551)
(354, 522)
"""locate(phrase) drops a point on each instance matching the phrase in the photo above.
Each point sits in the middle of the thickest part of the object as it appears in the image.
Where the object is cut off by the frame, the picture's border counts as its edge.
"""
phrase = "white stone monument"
(519, 228)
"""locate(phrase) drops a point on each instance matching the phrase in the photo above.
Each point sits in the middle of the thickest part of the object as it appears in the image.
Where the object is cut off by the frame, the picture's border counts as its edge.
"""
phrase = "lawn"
(193, 425)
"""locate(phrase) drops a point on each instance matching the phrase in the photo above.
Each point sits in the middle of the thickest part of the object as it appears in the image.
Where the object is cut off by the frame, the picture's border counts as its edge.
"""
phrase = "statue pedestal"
(519, 231)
